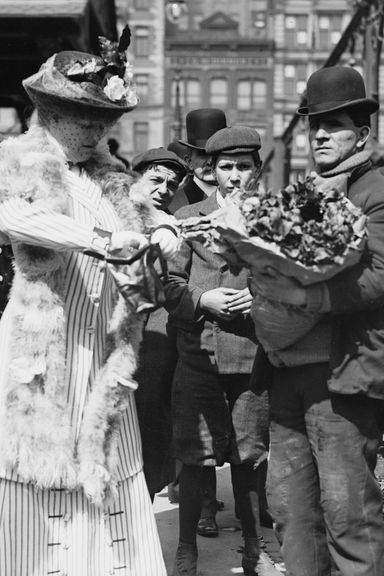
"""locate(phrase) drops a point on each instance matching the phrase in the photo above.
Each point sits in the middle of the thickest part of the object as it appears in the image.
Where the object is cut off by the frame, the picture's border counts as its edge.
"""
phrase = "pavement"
(219, 556)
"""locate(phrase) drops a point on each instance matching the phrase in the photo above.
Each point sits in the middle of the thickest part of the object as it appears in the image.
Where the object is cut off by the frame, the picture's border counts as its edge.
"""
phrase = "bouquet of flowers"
(304, 231)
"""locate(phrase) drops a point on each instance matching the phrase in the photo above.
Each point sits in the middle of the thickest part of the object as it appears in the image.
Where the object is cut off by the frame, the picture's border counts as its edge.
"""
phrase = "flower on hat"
(112, 72)
(115, 88)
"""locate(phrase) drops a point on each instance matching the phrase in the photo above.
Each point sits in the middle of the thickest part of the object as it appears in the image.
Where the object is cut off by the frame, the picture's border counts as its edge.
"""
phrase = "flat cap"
(233, 139)
(158, 156)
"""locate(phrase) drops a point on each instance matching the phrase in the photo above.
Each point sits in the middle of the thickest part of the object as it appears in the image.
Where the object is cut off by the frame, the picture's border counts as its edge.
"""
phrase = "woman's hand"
(275, 286)
(168, 242)
(124, 242)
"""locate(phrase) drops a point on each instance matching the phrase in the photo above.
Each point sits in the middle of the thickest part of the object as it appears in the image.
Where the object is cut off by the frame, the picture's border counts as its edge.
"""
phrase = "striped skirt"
(56, 532)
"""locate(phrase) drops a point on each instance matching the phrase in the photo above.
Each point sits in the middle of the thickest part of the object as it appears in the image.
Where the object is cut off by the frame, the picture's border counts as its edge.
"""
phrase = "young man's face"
(234, 171)
(333, 138)
(200, 163)
(162, 182)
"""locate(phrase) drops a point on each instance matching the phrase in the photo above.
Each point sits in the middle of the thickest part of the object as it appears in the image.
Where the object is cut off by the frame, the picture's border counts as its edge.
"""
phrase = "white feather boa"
(35, 435)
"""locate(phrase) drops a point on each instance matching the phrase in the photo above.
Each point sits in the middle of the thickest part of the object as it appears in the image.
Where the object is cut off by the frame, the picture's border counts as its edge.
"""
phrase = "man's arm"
(182, 299)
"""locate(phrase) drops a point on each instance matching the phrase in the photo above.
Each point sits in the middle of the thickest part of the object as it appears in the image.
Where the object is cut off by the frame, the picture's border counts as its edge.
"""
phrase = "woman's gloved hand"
(124, 243)
(167, 240)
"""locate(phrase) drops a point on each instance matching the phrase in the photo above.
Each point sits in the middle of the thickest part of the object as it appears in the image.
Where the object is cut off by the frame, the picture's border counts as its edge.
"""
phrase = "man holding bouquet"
(328, 386)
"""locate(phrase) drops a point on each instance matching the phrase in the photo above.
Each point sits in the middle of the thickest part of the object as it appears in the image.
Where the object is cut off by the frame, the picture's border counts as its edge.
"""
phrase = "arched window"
(251, 94)
(218, 92)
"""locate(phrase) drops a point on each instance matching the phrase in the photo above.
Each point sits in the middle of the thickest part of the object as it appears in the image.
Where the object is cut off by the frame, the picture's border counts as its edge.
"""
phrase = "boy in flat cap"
(161, 173)
(328, 386)
(214, 406)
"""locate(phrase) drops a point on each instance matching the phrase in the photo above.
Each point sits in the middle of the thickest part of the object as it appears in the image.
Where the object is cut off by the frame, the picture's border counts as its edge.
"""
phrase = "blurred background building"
(250, 57)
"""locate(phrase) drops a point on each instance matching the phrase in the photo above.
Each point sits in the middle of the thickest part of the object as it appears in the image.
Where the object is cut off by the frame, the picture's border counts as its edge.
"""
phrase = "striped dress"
(56, 531)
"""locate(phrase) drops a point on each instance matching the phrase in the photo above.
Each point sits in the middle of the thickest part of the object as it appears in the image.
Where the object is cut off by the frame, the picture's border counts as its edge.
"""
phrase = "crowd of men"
(207, 391)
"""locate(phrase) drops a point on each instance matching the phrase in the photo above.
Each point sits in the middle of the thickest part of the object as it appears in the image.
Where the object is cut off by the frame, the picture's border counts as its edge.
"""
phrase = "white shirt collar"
(208, 189)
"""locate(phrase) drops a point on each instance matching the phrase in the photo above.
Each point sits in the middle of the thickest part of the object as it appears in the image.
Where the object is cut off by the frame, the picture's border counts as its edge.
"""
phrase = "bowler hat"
(201, 124)
(336, 88)
(178, 148)
(159, 156)
(233, 140)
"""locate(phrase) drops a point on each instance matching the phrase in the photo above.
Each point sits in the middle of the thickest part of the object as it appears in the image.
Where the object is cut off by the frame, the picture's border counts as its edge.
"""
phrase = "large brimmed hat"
(336, 88)
(85, 80)
(159, 156)
(201, 124)
(233, 140)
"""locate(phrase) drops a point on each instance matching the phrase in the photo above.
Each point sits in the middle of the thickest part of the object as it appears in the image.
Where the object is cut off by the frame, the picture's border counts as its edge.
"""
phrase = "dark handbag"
(137, 278)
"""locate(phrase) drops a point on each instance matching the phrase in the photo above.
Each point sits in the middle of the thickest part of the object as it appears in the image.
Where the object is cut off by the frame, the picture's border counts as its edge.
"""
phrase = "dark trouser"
(321, 486)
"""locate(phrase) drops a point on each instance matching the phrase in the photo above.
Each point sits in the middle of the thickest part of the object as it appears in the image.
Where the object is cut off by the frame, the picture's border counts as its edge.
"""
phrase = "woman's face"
(78, 132)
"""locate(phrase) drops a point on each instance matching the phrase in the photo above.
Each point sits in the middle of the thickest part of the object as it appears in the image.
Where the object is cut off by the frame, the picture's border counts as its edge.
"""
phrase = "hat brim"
(202, 148)
(41, 96)
(248, 150)
(165, 162)
(369, 105)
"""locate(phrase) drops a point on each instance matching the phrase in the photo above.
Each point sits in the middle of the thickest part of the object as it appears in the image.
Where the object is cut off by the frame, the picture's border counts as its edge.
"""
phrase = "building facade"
(305, 33)
(143, 127)
(220, 55)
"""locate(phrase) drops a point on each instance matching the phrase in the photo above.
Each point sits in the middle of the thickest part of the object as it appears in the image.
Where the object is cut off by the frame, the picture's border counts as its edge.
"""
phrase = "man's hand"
(124, 242)
(218, 301)
(275, 286)
(168, 242)
(240, 302)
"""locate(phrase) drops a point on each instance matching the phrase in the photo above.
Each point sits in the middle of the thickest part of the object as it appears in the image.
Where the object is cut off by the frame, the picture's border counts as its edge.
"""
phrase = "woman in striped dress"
(73, 499)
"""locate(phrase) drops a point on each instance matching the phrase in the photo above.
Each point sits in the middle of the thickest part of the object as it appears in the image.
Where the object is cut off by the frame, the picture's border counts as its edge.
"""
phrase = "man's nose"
(234, 175)
(321, 133)
(163, 188)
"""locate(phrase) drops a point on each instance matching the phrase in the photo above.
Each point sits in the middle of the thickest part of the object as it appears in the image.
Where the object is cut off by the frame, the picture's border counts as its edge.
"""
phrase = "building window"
(259, 14)
(329, 31)
(189, 92)
(142, 85)
(300, 143)
(192, 91)
(296, 31)
(295, 79)
(140, 136)
(218, 92)
(141, 42)
(141, 4)
(251, 94)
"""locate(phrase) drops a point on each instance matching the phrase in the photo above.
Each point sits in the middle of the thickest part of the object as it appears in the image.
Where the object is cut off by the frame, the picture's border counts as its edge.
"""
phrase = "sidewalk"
(217, 556)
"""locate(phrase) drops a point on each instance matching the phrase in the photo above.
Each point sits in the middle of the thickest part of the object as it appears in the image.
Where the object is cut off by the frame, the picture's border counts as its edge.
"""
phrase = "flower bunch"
(111, 71)
(306, 224)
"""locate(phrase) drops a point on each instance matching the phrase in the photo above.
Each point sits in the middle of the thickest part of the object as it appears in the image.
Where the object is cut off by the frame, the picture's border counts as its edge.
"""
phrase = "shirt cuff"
(101, 240)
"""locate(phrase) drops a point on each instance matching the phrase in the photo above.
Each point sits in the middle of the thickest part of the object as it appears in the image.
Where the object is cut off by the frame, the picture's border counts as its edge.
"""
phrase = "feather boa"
(36, 439)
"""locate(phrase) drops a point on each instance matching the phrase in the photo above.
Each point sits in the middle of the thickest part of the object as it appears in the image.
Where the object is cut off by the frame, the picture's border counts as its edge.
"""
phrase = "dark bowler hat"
(159, 156)
(336, 88)
(178, 148)
(233, 140)
(201, 124)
